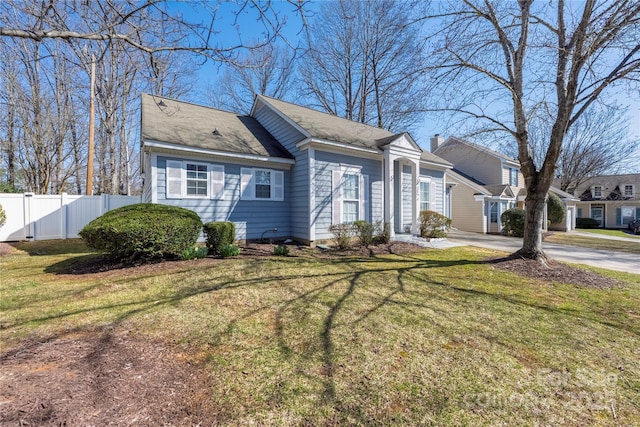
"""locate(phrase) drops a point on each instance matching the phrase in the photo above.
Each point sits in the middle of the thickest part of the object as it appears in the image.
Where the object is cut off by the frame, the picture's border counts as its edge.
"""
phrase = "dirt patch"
(554, 271)
(101, 380)
(5, 249)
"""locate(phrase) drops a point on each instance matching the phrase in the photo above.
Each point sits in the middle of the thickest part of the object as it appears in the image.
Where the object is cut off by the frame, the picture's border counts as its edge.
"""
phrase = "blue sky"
(247, 29)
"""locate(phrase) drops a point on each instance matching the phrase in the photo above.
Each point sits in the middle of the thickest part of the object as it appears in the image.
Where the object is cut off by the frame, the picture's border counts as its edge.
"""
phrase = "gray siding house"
(285, 167)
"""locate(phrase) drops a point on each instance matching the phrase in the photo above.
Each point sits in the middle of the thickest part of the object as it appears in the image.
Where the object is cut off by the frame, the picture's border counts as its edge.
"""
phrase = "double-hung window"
(350, 198)
(628, 190)
(513, 177)
(597, 192)
(261, 184)
(190, 179)
(197, 177)
(425, 195)
(349, 195)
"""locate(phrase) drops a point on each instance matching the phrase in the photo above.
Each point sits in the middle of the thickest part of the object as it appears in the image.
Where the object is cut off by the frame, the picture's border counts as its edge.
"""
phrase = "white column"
(415, 200)
(388, 191)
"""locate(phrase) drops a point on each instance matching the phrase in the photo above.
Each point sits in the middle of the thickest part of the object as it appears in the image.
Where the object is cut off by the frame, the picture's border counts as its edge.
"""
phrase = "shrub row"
(365, 232)
(147, 231)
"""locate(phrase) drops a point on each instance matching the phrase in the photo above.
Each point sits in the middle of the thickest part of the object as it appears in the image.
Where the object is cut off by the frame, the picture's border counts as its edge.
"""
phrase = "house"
(285, 171)
(484, 183)
(612, 200)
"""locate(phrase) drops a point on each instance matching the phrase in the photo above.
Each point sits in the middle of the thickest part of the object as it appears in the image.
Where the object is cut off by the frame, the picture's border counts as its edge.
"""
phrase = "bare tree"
(364, 62)
(269, 71)
(496, 62)
(597, 144)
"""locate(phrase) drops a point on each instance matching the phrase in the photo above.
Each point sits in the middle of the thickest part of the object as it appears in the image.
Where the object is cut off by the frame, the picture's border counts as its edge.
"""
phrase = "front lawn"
(593, 242)
(435, 337)
(607, 232)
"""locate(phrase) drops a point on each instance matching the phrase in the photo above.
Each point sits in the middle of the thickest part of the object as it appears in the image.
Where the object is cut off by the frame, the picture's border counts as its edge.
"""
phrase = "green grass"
(433, 338)
(594, 242)
(608, 232)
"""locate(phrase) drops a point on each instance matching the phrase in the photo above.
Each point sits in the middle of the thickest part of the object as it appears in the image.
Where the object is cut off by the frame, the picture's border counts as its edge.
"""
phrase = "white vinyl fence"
(38, 217)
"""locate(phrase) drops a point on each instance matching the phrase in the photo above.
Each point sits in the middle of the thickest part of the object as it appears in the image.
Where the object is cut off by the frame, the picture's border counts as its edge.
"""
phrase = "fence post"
(63, 214)
(104, 204)
(28, 225)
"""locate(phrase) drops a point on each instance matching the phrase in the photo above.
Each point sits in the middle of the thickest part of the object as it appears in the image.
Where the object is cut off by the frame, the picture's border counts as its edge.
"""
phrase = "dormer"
(628, 190)
(596, 191)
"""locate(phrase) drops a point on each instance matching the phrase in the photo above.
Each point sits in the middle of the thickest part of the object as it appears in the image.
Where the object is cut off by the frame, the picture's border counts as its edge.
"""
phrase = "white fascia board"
(216, 153)
(404, 152)
(435, 165)
(480, 197)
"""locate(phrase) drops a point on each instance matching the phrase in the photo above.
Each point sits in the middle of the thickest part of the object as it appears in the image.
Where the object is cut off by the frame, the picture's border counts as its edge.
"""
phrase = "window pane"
(263, 178)
(263, 191)
(494, 212)
(196, 180)
(350, 211)
(196, 188)
(350, 184)
(424, 196)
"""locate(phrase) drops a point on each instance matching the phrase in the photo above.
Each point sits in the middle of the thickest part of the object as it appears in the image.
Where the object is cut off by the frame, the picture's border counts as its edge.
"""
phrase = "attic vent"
(216, 132)
(161, 104)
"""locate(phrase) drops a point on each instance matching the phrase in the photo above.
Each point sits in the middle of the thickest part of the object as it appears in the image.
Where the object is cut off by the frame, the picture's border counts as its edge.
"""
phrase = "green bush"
(219, 234)
(513, 222)
(433, 224)
(3, 216)
(194, 252)
(144, 231)
(342, 234)
(587, 223)
(227, 250)
(365, 231)
(281, 250)
(383, 233)
(556, 211)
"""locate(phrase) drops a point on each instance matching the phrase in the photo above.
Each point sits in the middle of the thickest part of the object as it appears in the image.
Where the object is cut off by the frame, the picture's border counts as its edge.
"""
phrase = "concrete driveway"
(617, 261)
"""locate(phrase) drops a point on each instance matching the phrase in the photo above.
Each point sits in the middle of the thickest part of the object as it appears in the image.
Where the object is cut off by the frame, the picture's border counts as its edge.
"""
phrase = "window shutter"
(217, 181)
(174, 179)
(618, 215)
(336, 197)
(364, 198)
(277, 187)
(579, 213)
(637, 213)
(247, 186)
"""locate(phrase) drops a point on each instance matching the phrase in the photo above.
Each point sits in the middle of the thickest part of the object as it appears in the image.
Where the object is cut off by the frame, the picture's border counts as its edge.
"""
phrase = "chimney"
(436, 142)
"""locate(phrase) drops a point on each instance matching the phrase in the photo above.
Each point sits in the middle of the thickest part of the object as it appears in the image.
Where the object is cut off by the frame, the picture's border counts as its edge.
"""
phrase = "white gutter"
(208, 152)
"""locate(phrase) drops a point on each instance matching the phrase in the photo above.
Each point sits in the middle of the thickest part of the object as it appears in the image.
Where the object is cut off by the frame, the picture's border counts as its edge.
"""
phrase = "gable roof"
(178, 122)
(320, 125)
(455, 140)
(612, 187)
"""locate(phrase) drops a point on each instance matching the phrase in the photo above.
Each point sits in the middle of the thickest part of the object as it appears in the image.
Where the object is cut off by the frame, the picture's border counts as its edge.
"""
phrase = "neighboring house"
(484, 183)
(285, 170)
(612, 200)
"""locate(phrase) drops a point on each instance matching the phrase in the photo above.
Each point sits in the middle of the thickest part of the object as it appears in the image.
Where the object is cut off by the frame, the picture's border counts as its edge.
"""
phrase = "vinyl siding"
(474, 163)
(408, 193)
(437, 187)
(147, 187)
(609, 210)
(299, 189)
(325, 164)
(505, 179)
(252, 217)
(467, 214)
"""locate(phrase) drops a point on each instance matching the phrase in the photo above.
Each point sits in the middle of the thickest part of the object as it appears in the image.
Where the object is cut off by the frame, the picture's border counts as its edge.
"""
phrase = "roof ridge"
(193, 104)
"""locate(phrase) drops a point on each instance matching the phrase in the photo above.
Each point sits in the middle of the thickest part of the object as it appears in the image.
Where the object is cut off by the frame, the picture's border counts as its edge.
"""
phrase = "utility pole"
(92, 108)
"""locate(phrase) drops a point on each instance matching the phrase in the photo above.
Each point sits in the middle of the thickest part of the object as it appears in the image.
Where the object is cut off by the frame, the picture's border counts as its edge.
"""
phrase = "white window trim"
(215, 179)
(420, 201)
(248, 185)
(633, 190)
(337, 200)
(593, 191)
(515, 172)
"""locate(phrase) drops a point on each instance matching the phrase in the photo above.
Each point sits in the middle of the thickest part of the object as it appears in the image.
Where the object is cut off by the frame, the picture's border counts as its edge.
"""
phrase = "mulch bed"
(114, 378)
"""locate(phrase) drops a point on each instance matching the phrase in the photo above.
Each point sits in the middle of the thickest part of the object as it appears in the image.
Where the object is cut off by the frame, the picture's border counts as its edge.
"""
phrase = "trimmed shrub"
(219, 234)
(383, 233)
(342, 234)
(194, 252)
(556, 211)
(433, 224)
(281, 250)
(227, 250)
(365, 231)
(587, 223)
(513, 222)
(144, 231)
(3, 216)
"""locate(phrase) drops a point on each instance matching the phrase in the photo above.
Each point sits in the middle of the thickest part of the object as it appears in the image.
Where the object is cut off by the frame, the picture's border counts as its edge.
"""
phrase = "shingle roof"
(178, 122)
(456, 140)
(612, 186)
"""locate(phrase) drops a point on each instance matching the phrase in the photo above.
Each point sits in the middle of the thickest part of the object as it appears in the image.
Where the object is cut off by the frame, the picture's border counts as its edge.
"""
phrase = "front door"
(597, 214)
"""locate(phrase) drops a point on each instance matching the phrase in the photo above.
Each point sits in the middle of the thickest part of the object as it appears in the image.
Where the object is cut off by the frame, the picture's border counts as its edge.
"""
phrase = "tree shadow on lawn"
(328, 296)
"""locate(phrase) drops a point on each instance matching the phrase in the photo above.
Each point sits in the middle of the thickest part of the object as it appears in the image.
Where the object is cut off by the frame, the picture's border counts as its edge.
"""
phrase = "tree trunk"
(535, 203)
